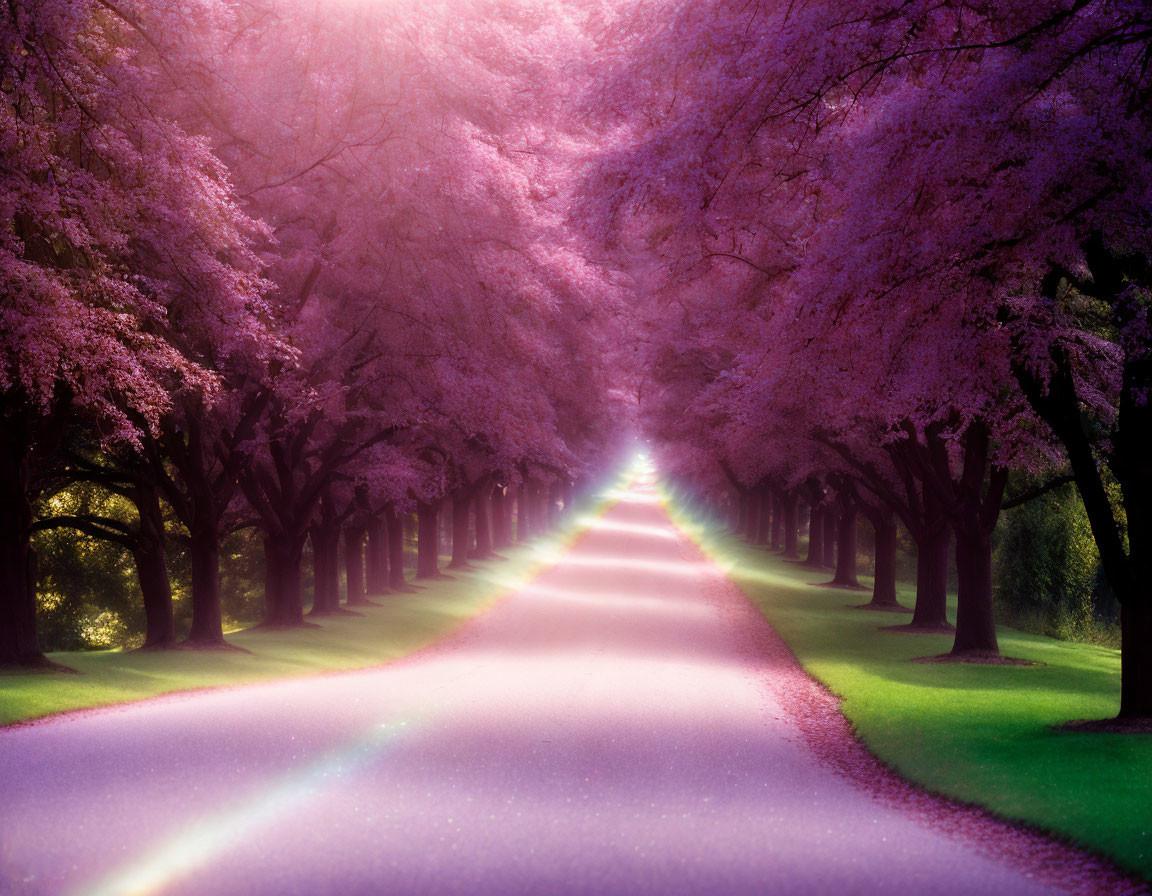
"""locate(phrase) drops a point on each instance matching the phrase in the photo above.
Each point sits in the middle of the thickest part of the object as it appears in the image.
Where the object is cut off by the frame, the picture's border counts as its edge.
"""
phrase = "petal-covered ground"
(625, 724)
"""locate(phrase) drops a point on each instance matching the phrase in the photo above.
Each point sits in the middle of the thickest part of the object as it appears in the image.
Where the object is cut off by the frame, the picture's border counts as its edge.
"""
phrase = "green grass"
(402, 624)
(981, 734)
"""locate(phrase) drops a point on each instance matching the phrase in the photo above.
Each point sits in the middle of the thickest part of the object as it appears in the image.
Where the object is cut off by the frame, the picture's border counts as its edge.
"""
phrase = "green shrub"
(1047, 571)
(87, 594)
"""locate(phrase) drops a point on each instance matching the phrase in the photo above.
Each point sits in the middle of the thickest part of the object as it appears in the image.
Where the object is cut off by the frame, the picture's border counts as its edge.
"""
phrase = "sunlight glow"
(614, 562)
(603, 525)
(633, 497)
(656, 603)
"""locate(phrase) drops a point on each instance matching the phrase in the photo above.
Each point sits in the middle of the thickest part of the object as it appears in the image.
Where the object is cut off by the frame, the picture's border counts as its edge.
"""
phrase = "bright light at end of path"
(625, 496)
(642, 470)
(598, 524)
(614, 562)
(215, 834)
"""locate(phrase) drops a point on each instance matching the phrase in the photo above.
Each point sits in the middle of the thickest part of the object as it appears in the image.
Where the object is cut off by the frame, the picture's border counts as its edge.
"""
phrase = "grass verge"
(980, 734)
(403, 624)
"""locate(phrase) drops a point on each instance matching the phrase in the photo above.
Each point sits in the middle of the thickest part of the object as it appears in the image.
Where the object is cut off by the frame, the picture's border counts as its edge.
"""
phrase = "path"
(611, 728)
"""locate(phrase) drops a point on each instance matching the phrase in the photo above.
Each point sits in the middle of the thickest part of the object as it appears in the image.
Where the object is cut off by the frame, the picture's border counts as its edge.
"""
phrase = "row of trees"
(895, 263)
(285, 269)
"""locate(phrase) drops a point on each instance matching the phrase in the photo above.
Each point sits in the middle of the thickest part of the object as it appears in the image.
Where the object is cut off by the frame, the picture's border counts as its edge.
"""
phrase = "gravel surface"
(627, 723)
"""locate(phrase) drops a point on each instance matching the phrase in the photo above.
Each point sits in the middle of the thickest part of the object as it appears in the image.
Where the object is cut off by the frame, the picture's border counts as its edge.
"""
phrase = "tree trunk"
(543, 517)
(283, 582)
(461, 531)
(975, 510)
(846, 549)
(501, 531)
(371, 557)
(753, 531)
(931, 610)
(791, 527)
(884, 582)
(816, 538)
(375, 552)
(481, 505)
(354, 563)
(207, 615)
(741, 514)
(427, 541)
(152, 570)
(156, 591)
(765, 518)
(521, 515)
(18, 641)
(975, 620)
(1136, 659)
(831, 524)
(395, 525)
(777, 523)
(325, 569)
(202, 503)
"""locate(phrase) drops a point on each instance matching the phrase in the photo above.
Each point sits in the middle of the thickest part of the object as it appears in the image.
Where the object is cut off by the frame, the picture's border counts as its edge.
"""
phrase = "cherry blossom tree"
(122, 226)
(904, 217)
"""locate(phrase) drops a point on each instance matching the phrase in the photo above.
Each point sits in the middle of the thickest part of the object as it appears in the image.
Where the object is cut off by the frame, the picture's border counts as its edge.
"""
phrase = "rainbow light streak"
(215, 834)
(183, 853)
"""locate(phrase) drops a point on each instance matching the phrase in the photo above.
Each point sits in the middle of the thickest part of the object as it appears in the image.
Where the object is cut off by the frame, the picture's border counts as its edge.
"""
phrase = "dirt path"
(626, 724)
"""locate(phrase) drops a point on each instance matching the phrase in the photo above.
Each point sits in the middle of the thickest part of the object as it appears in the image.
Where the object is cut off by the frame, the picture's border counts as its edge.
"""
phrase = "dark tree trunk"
(765, 518)
(395, 525)
(521, 513)
(371, 556)
(508, 511)
(742, 501)
(156, 591)
(975, 509)
(207, 615)
(354, 563)
(201, 500)
(831, 524)
(884, 584)
(1136, 660)
(461, 530)
(846, 548)
(501, 531)
(481, 506)
(18, 641)
(816, 538)
(975, 621)
(325, 569)
(283, 582)
(543, 517)
(152, 570)
(376, 557)
(752, 533)
(427, 541)
(1054, 396)
(931, 610)
(777, 523)
(791, 526)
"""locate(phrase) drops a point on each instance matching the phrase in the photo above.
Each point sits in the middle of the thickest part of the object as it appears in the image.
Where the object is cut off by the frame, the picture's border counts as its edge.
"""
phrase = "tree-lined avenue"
(615, 726)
